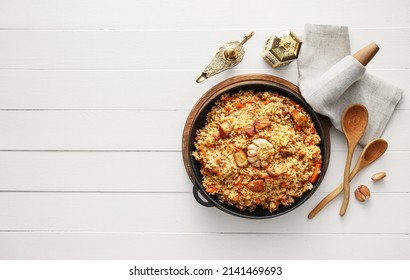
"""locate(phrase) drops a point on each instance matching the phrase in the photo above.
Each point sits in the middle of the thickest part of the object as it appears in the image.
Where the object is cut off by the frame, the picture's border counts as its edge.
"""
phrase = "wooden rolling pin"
(365, 54)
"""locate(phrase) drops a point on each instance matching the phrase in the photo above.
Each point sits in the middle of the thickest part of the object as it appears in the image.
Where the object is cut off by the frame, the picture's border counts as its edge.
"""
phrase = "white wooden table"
(93, 98)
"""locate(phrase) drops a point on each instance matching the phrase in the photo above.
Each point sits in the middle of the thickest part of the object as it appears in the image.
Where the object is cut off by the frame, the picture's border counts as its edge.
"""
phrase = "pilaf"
(258, 149)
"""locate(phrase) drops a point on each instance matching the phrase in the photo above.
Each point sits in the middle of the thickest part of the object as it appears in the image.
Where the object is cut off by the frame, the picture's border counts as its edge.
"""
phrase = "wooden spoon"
(371, 152)
(354, 122)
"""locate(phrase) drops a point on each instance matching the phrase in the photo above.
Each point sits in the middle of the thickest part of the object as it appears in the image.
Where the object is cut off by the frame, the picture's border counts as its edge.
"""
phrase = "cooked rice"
(293, 159)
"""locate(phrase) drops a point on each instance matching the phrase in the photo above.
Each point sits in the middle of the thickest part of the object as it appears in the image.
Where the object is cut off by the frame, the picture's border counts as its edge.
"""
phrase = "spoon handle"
(346, 182)
(325, 201)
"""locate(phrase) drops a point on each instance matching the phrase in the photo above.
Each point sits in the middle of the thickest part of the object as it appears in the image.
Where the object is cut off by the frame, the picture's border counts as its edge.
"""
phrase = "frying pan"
(197, 119)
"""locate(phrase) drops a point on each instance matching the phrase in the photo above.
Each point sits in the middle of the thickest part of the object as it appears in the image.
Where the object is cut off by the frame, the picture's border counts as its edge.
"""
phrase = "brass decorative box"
(282, 48)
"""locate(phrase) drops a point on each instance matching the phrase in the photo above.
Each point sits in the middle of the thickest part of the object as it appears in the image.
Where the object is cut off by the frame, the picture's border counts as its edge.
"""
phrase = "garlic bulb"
(259, 152)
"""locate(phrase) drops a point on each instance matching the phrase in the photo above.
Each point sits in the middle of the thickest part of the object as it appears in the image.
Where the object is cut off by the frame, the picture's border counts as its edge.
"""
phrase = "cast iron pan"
(197, 119)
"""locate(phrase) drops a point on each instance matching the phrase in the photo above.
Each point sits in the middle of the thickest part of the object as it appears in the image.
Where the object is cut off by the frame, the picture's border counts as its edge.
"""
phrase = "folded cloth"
(331, 79)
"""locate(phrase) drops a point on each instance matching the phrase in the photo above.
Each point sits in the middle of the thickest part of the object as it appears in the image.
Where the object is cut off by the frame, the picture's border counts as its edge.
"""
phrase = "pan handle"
(201, 200)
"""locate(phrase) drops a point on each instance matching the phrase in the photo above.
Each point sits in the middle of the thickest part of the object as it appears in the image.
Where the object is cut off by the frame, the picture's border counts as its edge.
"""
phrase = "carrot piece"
(239, 105)
(298, 128)
(316, 172)
(270, 179)
(211, 189)
(312, 129)
(202, 150)
(283, 185)
(314, 177)
(239, 182)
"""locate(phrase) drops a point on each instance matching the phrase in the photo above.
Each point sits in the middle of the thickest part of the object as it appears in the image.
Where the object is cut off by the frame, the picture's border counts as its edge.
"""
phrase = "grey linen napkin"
(331, 79)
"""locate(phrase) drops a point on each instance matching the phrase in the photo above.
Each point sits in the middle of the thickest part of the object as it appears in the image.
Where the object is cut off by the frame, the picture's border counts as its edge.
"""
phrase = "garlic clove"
(257, 142)
(362, 193)
(253, 147)
(263, 142)
(378, 176)
(359, 196)
(253, 159)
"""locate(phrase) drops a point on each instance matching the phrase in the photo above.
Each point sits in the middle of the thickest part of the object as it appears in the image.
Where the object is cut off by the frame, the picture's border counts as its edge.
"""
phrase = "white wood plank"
(157, 172)
(97, 199)
(119, 89)
(214, 14)
(91, 89)
(172, 212)
(124, 49)
(395, 164)
(92, 130)
(34, 246)
(130, 130)
(96, 171)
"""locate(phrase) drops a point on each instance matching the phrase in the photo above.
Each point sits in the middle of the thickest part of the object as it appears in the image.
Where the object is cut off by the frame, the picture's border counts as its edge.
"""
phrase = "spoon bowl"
(354, 122)
(373, 151)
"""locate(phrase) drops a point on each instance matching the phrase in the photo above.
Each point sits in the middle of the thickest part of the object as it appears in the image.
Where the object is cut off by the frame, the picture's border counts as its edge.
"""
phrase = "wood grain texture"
(129, 49)
(148, 246)
(179, 212)
(124, 89)
(94, 95)
(130, 131)
(197, 15)
(131, 172)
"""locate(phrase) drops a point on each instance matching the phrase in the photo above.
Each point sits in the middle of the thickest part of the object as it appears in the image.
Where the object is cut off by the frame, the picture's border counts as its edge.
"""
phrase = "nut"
(362, 193)
(378, 176)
